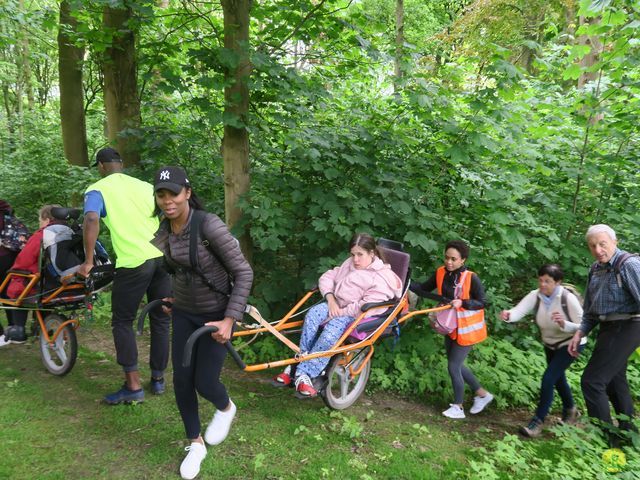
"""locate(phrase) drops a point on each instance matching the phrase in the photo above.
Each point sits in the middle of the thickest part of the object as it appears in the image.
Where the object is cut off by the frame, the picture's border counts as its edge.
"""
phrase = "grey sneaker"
(534, 429)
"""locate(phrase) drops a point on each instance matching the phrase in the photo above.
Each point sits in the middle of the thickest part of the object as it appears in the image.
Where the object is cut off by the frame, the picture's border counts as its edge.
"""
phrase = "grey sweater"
(190, 291)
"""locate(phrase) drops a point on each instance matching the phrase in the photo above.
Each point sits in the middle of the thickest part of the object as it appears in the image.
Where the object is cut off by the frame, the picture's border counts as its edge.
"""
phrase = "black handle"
(193, 338)
(148, 307)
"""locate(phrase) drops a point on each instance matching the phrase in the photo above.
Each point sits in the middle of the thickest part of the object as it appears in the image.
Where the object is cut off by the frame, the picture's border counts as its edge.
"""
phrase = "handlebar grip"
(193, 338)
(148, 307)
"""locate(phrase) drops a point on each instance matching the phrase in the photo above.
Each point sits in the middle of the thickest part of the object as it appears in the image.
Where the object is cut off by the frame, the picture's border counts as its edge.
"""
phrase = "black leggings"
(203, 376)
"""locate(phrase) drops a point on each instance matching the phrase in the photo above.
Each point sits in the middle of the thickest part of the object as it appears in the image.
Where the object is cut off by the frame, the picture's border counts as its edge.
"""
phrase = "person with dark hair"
(362, 278)
(612, 301)
(203, 294)
(463, 290)
(7, 257)
(126, 206)
(27, 260)
(558, 314)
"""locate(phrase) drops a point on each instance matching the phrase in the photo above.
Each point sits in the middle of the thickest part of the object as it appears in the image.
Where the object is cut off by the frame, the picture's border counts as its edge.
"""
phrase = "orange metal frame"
(400, 312)
(41, 305)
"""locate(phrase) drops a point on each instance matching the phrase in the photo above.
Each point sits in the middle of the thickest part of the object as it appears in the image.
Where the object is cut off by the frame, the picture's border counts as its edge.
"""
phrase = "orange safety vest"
(472, 328)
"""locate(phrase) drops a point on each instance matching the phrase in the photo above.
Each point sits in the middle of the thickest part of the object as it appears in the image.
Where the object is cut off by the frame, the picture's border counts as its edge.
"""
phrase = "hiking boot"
(304, 387)
(570, 416)
(454, 411)
(534, 429)
(157, 386)
(479, 403)
(190, 466)
(124, 395)
(220, 425)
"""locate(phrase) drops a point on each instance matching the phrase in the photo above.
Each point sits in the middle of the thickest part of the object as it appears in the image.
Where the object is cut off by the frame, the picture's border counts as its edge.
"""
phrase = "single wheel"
(60, 357)
(343, 388)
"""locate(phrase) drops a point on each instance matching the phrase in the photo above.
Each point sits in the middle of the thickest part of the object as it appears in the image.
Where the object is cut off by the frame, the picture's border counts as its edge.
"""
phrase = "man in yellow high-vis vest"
(126, 206)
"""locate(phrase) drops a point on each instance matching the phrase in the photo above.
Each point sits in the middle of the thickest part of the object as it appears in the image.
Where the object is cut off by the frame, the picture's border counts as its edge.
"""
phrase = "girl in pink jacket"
(362, 278)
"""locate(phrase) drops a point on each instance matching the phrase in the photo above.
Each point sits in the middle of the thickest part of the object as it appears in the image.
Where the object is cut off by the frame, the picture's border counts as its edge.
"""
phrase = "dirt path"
(492, 423)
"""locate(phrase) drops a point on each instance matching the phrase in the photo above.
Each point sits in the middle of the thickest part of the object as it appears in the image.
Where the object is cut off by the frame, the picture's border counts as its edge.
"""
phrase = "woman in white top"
(558, 313)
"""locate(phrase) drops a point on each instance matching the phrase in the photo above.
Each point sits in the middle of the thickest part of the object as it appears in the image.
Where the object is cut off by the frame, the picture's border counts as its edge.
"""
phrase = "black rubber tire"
(342, 391)
(60, 358)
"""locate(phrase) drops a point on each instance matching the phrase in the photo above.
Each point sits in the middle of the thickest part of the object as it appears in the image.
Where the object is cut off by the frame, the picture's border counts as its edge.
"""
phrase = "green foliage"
(576, 453)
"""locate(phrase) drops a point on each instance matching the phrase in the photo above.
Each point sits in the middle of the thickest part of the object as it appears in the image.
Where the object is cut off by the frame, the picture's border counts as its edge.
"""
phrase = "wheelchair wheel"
(60, 357)
(343, 388)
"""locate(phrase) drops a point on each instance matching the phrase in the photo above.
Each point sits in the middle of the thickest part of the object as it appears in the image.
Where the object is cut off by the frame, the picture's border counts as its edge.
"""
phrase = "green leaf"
(572, 72)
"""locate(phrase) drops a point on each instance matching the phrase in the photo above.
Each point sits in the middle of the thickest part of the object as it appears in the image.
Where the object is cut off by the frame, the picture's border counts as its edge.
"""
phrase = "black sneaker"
(15, 334)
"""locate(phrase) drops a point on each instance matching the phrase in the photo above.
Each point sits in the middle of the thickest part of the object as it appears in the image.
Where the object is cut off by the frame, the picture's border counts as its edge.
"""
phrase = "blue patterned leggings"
(311, 342)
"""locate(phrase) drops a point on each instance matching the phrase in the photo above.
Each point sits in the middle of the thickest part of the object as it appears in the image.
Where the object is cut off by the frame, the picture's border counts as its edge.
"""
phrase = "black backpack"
(195, 237)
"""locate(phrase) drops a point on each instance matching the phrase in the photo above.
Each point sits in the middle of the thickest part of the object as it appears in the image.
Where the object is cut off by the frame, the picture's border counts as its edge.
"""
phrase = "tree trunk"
(399, 45)
(72, 120)
(121, 100)
(592, 57)
(235, 143)
(25, 63)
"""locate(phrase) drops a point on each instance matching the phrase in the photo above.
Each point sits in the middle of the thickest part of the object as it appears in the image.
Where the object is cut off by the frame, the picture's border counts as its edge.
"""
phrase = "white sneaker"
(454, 411)
(3, 341)
(190, 466)
(480, 402)
(220, 424)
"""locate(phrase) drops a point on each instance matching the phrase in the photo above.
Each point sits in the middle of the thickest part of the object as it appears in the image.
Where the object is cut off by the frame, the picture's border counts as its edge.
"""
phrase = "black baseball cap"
(172, 179)
(107, 155)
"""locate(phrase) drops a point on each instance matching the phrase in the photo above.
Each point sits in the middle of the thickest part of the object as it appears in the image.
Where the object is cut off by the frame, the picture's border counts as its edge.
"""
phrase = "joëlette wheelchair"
(345, 378)
(58, 303)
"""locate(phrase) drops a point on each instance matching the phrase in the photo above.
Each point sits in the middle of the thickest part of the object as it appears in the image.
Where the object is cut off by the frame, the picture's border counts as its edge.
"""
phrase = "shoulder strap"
(536, 308)
(200, 238)
(618, 265)
(563, 303)
(195, 236)
(195, 232)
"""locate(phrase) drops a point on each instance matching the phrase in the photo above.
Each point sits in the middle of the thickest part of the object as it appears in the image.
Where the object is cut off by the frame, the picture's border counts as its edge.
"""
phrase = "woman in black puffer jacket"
(203, 295)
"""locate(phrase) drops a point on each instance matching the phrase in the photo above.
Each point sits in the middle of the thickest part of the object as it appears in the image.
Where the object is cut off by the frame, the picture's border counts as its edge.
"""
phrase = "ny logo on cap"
(165, 175)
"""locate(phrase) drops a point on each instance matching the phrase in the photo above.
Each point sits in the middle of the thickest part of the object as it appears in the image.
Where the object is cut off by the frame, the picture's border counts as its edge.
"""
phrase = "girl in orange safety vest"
(462, 289)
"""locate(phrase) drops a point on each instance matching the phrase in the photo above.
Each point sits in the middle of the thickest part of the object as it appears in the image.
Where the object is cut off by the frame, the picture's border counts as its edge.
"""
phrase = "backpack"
(616, 266)
(195, 226)
(14, 234)
(568, 288)
(65, 251)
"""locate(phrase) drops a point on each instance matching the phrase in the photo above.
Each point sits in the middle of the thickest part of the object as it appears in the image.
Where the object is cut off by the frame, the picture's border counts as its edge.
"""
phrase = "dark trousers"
(6, 261)
(554, 377)
(129, 286)
(203, 376)
(605, 377)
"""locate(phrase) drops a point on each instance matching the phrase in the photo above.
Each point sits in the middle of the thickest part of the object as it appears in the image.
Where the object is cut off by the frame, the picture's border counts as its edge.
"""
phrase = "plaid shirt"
(604, 296)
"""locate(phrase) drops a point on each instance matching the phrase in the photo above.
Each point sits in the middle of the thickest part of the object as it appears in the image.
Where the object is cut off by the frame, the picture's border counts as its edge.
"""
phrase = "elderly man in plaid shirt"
(612, 300)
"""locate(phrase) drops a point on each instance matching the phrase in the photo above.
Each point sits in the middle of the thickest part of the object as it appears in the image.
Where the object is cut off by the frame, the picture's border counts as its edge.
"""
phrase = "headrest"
(63, 213)
(390, 244)
(399, 261)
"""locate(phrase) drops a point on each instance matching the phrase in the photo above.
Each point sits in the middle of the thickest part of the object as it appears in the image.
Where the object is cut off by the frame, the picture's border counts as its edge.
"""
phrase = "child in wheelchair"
(27, 261)
(54, 251)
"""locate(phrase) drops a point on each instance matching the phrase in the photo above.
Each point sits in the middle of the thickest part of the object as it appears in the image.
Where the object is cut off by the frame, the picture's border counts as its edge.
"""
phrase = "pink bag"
(446, 321)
